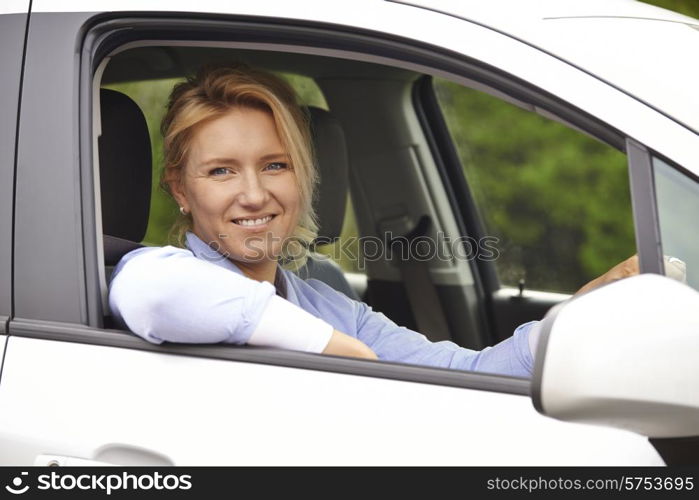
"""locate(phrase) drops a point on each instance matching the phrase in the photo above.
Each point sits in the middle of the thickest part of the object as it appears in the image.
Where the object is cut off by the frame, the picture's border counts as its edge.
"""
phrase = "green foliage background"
(557, 200)
(687, 7)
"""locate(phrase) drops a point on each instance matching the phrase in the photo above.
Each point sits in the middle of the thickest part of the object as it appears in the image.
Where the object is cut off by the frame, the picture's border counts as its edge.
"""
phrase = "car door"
(73, 390)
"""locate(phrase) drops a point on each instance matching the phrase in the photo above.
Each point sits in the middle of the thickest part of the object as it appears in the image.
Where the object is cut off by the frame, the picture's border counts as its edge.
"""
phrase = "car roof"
(530, 15)
(646, 51)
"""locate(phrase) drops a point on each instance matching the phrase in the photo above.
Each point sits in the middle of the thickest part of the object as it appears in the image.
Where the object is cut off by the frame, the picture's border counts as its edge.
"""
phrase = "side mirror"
(625, 355)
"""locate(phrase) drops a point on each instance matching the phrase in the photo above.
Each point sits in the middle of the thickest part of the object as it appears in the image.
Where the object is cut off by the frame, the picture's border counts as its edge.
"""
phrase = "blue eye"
(277, 165)
(218, 171)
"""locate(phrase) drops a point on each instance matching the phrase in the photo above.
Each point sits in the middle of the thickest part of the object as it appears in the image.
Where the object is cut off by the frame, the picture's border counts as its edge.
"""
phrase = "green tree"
(687, 7)
(557, 200)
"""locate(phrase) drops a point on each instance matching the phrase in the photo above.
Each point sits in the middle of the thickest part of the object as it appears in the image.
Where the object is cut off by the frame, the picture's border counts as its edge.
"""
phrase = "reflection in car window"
(678, 203)
(557, 200)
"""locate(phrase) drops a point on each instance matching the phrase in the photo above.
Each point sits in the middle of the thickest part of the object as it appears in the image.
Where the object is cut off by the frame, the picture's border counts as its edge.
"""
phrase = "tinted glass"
(678, 207)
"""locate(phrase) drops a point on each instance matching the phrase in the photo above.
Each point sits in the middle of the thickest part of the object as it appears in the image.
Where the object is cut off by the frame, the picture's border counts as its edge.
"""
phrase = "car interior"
(374, 144)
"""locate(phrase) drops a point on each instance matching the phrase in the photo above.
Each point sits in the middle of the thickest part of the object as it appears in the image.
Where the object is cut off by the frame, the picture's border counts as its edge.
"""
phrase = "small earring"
(183, 211)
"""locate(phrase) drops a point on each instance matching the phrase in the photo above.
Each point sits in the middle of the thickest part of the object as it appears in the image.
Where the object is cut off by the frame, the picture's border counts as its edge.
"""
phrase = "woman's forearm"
(343, 345)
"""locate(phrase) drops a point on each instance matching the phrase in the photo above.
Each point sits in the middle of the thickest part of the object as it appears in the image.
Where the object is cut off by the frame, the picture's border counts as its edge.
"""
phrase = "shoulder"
(153, 253)
(150, 255)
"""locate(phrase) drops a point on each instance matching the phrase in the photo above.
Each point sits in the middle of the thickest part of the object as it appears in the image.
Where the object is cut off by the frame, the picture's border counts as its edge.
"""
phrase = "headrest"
(125, 167)
(331, 155)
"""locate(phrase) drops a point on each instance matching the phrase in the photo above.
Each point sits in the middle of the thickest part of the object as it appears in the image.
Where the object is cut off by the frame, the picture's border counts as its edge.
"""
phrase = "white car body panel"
(547, 72)
(88, 401)
(14, 7)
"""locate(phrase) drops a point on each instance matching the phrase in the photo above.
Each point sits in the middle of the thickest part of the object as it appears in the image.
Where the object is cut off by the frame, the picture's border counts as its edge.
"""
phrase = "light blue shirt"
(196, 295)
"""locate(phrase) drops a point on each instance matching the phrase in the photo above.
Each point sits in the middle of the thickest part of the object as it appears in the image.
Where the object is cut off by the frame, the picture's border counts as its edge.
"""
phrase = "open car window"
(542, 192)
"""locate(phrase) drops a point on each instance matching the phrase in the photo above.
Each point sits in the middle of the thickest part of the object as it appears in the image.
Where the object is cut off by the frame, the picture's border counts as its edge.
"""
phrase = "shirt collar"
(209, 253)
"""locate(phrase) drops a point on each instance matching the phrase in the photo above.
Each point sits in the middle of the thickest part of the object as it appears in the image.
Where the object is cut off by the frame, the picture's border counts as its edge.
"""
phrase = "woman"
(238, 162)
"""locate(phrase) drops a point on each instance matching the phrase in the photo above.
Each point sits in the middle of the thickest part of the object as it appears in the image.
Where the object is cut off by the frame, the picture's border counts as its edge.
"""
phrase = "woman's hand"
(343, 345)
(624, 269)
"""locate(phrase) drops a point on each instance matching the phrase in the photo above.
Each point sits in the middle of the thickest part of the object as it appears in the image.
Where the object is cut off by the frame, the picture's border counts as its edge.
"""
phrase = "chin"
(255, 255)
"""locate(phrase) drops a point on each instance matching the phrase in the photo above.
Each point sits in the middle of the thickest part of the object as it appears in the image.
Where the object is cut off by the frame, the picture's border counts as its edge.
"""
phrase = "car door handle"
(108, 456)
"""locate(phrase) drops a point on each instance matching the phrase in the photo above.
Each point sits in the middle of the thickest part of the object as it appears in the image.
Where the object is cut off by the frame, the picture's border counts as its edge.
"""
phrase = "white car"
(616, 380)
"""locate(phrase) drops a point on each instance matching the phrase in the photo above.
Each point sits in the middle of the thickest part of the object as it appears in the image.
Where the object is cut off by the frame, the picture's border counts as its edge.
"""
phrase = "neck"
(260, 271)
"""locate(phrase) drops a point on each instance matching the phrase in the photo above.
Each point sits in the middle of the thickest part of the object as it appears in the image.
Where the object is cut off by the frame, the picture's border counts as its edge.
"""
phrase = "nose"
(253, 192)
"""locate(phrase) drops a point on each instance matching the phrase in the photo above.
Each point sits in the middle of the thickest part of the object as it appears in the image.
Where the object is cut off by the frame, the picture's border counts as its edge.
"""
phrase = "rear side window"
(678, 205)
(557, 200)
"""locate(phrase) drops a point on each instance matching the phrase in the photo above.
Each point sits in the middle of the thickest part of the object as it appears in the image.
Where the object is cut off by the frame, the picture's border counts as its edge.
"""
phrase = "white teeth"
(253, 222)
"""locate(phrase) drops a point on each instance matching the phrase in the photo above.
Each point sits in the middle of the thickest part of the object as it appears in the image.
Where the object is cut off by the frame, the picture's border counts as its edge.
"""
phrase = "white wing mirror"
(625, 355)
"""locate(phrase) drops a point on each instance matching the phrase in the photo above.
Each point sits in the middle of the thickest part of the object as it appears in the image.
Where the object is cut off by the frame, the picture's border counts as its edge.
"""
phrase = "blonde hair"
(213, 92)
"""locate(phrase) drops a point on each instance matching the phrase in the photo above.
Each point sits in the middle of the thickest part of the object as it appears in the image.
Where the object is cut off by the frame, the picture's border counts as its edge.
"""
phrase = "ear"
(178, 192)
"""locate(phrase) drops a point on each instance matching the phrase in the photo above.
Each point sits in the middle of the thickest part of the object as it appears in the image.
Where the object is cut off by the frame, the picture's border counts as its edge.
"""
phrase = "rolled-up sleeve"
(168, 294)
(391, 342)
(513, 356)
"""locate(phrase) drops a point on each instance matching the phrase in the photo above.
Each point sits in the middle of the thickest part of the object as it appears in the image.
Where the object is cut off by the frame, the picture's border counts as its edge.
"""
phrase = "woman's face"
(240, 187)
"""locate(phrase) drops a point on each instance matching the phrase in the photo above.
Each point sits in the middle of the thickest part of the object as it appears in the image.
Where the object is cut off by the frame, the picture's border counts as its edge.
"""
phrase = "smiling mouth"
(252, 222)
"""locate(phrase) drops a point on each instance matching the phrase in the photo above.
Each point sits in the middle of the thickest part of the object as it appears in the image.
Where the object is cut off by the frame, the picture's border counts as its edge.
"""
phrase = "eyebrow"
(233, 161)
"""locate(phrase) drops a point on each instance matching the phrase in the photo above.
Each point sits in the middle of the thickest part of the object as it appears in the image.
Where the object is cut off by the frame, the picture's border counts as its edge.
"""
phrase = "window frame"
(104, 33)
(107, 34)
(645, 209)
